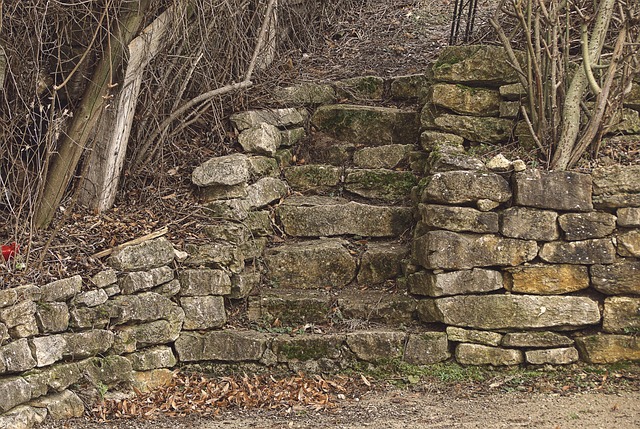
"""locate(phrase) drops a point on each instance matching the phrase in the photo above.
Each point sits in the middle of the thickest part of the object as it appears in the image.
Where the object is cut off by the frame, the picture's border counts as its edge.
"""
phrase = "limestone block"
(8, 297)
(144, 307)
(308, 347)
(542, 279)
(477, 354)
(13, 391)
(266, 191)
(621, 315)
(225, 170)
(259, 223)
(89, 317)
(61, 406)
(451, 158)
(530, 224)
(373, 126)
(628, 216)
(234, 209)
(22, 417)
(112, 290)
(306, 93)
(453, 251)
(88, 343)
(284, 158)
(292, 137)
(233, 232)
(458, 218)
(242, 284)
(376, 307)
(509, 109)
(18, 314)
(474, 336)
(455, 187)
(427, 348)
(628, 244)
(360, 88)
(559, 356)
(25, 330)
(222, 192)
(476, 129)
(466, 100)
(380, 262)
(322, 217)
(133, 337)
(105, 278)
(513, 91)
(227, 346)
(39, 381)
(111, 371)
(48, 350)
(91, 298)
(461, 282)
(409, 87)
(317, 263)
(581, 226)
(143, 256)
(168, 289)
(61, 290)
(494, 312)
(596, 251)
(254, 248)
(262, 139)
(290, 306)
(539, 339)
(475, 64)
(288, 117)
(380, 184)
(152, 358)
(433, 139)
(608, 348)
(616, 186)
(28, 293)
(556, 190)
(137, 281)
(372, 346)
(219, 255)
(59, 377)
(203, 312)
(313, 177)
(149, 381)
(617, 279)
(52, 316)
(387, 156)
(16, 357)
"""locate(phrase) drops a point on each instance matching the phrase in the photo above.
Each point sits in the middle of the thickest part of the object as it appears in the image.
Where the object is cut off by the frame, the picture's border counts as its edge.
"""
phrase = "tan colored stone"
(620, 278)
(536, 339)
(628, 244)
(461, 335)
(376, 345)
(582, 226)
(560, 356)
(529, 224)
(427, 348)
(609, 348)
(556, 190)
(455, 187)
(596, 251)
(477, 354)
(148, 381)
(546, 279)
(621, 315)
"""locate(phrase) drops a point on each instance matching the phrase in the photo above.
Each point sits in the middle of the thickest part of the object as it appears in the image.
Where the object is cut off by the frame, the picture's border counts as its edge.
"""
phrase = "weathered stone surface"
(387, 156)
(621, 315)
(137, 281)
(4, 333)
(143, 256)
(39, 381)
(168, 289)
(89, 343)
(13, 391)
(476, 129)
(307, 347)
(279, 117)
(632, 98)
(266, 191)
(616, 186)
(608, 348)
(596, 251)
(458, 218)
(318, 263)
(461, 335)
(52, 316)
(466, 100)
(242, 284)
(16, 357)
(219, 254)
(61, 406)
(513, 311)
(453, 251)
(538, 339)
(433, 139)
(226, 170)
(63, 375)
(454, 187)
(110, 371)
(451, 158)
(628, 216)
(227, 346)
(22, 417)
(89, 317)
(321, 217)
(8, 297)
(427, 348)
(409, 87)
(18, 314)
(25, 330)
(376, 345)
(92, 298)
(306, 93)
(292, 137)
(312, 177)
(203, 312)
(152, 358)
(620, 278)
(133, 337)
(581, 226)
(254, 248)
(513, 91)
(560, 356)
(360, 88)
(530, 224)
(381, 184)
(284, 158)
(61, 290)
(380, 262)
(48, 350)
(558, 190)
(374, 126)
(144, 307)
(546, 279)
(475, 64)
(263, 139)
(628, 244)
(149, 381)
(290, 306)
(105, 278)
(477, 354)
(509, 109)
(378, 307)
(625, 121)
(455, 282)
(259, 223)
(28, 293)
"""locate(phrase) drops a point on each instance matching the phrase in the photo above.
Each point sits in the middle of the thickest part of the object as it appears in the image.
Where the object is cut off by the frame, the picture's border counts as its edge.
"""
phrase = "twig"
(150, 236)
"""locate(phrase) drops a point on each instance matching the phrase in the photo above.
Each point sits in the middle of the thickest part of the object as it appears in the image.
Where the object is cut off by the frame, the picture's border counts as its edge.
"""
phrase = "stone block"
(530, 224)
(582, 226)
(409, 87)
(259, 223)
(455, 187)
(292, 137)
(226, 346)
(204, 281)
(234, 209)
(13, 391)
(538, 339)
(585, 252)
(427, 348)
(380, 184)
(262, 139)
(373, 346)
(61, 406)
(89, 317)
(254, 248)
(152, 358)
(282, 118)
(130, 338)
(290, 307)
(466, 100)
(111, 371)
(48, 350)
(63, 375)
(477, 280)
(496, 312)
(560, 356)
(305, 265)
(149, 381)
(242, 284)
(556, 190)
(18, 314)
(203, 312)
(168, 289)
(628, 217)
(313, 177)
(621, 315)
(88, 343)
(219, 255)
(608, 348)
(380, 262)
(388, 156)
(143, 256)
(228, 170)
(477, 354)
(458, 218)
(308, 347)
(474, 336)
(546, 279)
(628, 244)
(306, 93)
(266, 191)
(104, 278)
(376, 307)
(137, 281)
(453, 251)
(476, 129)
(620, 278)
(29, 293)
(16, 357)
(450, 158)
(91, 298)
(475, 64)
(143, 307)
(61, 290)
(513, 91)
(430, 140)
(8, 297)
(52, 316)
(616, 186)
(22, 417)
(360, 88)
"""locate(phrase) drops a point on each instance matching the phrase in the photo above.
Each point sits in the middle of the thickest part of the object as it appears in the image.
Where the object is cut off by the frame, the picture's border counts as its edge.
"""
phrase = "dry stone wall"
(346, 235)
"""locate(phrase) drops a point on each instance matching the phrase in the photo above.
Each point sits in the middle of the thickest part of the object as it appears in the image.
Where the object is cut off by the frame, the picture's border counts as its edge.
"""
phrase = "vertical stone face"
(376, 345)
(530, 224)
(203, 312)
(556, 190)
(581, 226)
(13, 391)
(455, 187)
(458, 218)
(143, 256)
(628, 244)
(621, 315)
(546, 279)
(560, 356)
(617, 279)
(53, 316)
(227, 346)
(461, 335)
(596, 251)
(203, 281)
(427, 348)
(16, 357)
(629, 216)
(477, 354)
(608, 348)
(461, 282)
(381, 262)
(61, 290)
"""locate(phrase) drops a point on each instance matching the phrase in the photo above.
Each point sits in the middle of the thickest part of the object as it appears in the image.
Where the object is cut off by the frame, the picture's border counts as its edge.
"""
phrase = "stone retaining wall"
(375, 237)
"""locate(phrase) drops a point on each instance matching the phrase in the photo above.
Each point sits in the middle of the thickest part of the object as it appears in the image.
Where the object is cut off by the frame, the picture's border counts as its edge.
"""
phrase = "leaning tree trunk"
(94, 102)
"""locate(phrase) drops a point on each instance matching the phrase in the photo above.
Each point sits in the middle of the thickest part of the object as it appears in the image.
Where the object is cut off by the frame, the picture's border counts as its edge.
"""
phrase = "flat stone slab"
(466, 100)
(287, 117)
(530, 224)
(556, 190)
(559, 356)
(225, 170)
(474, 336)
(596, 251)
(427, 348)
(478, 354)
(616, 279)
(582, 226)
(621, 315)
(227, 346)
(537, 339)
(388, 156)
(455, 187)
(379, 307)
(290, 306)
(549, 279)
(380, 184)
(323, 217)
(608, 348)
(373, 346)
(461, 282)
(475, 64)
(475, 129)
(458, 218)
